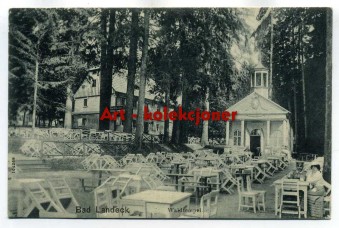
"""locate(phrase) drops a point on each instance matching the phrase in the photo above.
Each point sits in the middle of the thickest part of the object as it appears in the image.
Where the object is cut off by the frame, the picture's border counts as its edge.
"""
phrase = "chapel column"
(284, 133)
(242, 140)
(268, 125)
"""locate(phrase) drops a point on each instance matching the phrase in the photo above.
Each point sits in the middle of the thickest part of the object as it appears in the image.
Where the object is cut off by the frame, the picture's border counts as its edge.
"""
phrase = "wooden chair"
(151, 158)
(290, 197)
(247, 199)
(327, 199)
(89, 161)
(211, 210)
(161, 157)
(103, 199)
(31, 148)
(208, 207)
(261, 194)
(62, 194)
(259, 174)
(227, 181)
(37, 197)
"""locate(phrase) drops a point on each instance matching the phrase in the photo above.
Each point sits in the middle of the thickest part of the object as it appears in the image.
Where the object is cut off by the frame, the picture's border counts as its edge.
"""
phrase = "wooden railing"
(78, 134)
(212, 141)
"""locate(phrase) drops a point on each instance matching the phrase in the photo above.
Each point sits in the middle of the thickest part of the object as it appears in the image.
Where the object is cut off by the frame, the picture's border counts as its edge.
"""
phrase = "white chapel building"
(261, 125)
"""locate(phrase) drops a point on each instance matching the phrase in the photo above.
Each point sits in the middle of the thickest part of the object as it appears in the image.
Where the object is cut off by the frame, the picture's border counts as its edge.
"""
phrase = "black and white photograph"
(170, 113)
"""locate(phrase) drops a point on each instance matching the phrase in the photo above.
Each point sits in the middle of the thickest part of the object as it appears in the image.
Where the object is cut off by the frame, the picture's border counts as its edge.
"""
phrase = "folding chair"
(227, 181)
(290, 198)
(37, 197)
(62, 194)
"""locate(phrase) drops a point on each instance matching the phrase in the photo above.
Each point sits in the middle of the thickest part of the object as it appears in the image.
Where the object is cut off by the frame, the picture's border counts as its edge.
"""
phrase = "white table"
(159, 203)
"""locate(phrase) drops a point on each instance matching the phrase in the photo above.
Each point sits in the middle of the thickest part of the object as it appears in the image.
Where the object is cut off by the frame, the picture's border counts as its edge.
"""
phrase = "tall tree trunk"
(176, 123)
(68, 111)
(328, 97)
(301, 48)
(174, 130)
(141, 101)
(271, 55)
(24, 119)
(182, 133)
(295, 114)
(204, 136)
(131, 70)
(174, 138)
(106, 63)
(167, 104)
(36, 75)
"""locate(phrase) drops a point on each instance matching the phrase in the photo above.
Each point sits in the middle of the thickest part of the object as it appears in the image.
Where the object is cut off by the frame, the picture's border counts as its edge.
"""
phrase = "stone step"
(33, 165)
(34, 169)
(30, 162)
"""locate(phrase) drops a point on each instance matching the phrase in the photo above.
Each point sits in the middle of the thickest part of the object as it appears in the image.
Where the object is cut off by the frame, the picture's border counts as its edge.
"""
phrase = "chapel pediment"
(255, 104)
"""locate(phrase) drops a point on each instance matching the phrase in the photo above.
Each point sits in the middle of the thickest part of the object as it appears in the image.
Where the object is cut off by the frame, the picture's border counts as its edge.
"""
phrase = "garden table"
(161, 204)
(242, 167)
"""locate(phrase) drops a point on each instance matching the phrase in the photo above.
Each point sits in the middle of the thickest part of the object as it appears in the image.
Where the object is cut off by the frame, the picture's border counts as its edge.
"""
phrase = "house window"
(257, 79)
(84, 122)
(135, 104)
(29, 117)
(73, 105)
(237, 138)
(94, 83)
(121, 101)
(79, 122)
(85, 102)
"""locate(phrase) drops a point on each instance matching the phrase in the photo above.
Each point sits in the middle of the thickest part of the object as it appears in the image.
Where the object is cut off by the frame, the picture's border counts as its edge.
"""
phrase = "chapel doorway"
(255, 138)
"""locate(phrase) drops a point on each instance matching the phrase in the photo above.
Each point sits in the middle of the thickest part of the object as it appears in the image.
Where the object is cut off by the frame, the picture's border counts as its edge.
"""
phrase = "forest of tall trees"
(198, 58)
(301, 42)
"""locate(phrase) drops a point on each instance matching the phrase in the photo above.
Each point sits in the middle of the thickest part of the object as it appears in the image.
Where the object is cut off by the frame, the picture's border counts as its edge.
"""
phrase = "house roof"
(119, 84)
(256, 104)
(259, 66)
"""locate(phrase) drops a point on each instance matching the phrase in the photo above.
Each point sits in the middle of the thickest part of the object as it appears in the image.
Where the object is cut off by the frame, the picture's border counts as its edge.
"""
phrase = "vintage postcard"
(178, 113)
